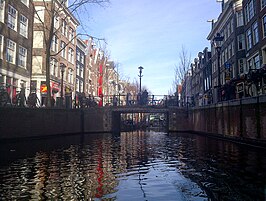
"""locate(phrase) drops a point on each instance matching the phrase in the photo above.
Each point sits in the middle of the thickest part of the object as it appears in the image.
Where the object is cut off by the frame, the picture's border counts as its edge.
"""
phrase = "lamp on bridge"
(140, 76)
(217, 43)
(63, 68)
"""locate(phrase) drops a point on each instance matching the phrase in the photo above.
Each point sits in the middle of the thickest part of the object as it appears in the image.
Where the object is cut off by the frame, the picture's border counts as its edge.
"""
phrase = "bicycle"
(4, 97)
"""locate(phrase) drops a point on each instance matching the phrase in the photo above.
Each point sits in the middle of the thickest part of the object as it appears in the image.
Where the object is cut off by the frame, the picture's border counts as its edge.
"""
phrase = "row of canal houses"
(234, 68)
(75, 65)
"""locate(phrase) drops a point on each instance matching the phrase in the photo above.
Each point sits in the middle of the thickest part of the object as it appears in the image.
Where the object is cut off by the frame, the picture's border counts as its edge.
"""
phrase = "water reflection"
(132, 166)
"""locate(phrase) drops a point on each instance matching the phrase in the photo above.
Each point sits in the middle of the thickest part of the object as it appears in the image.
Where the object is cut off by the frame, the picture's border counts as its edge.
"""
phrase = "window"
(39, 14)
(240, 19)
(77, 84)
(82, 58)
(1, 46)
(81, 72)
(242, 65)
(256, 61)
(11, 51)
(26, 2)
(64, 27)
(255, 33)
(240, 42)
(56, 22)
(81, 85)
(2, 10)
(54, 45)
(54, 67)
(78, 69)
(78, 55)
(249, 10)
(263, 3)
(22, 57)
(71, 35)
(249, 39)
(70, 76)
(63, 48)
(12, 18)
(71, 55)
(23, 28)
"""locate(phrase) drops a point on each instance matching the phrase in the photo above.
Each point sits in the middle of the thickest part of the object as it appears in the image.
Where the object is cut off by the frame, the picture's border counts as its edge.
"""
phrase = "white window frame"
(240, 18)
(77, 84)
(64, 27)
(249, 39)
(255, 33)
(54, 45)
(241, 42)
(70, 76)
(1, 46)
(2, 10)
(71, 35)
(256, 61)
(70, 55)
(23, 26)
(63, 48)
(54, 67)
(22, 57)
(11, 51)
(12, 18)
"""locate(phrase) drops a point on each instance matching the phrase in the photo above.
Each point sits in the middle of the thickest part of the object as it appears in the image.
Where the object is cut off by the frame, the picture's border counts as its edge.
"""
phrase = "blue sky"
(151, 33)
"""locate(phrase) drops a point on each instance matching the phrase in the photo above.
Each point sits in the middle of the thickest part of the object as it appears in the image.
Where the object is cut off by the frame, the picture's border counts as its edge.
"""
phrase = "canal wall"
(41, 122)
(238, 119)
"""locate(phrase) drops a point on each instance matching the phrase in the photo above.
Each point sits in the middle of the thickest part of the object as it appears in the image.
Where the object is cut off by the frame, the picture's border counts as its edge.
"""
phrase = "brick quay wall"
(239, 119)
(41, 122)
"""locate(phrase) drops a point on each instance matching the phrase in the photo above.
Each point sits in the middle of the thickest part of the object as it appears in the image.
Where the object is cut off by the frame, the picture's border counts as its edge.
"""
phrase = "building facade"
(16, 45)
(60, 60)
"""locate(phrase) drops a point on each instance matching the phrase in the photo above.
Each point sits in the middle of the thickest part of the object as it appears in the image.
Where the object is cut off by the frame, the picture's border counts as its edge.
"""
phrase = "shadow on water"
(141, 165)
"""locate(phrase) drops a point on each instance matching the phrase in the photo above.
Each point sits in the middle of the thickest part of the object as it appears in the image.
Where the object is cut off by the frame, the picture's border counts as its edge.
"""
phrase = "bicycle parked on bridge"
(4, 97)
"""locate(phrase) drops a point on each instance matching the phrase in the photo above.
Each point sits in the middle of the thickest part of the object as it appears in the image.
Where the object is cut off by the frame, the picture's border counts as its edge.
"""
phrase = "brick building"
(58, 18)
(15, 44)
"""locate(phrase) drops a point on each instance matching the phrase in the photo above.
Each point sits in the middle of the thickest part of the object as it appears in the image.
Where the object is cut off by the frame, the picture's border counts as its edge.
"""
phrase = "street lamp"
(62, 67)
(217, 43)
(140, 76)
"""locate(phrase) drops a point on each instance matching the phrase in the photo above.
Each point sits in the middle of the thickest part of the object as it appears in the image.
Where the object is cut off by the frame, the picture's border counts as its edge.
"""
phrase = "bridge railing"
(132, 100)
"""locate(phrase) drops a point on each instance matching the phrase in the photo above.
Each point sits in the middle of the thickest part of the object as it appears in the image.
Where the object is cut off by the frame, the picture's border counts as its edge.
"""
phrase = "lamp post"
(217, 43)
(62, 67)
(140, 76)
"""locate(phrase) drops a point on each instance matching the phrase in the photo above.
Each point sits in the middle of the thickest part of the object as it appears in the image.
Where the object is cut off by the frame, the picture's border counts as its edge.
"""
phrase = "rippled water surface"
(132, 166)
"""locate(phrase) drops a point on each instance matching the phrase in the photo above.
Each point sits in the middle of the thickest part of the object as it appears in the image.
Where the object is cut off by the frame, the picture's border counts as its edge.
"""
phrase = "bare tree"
(54, 8)
(182, 68)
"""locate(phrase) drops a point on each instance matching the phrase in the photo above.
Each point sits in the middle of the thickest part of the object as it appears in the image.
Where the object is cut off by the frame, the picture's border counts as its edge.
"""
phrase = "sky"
(151, 33)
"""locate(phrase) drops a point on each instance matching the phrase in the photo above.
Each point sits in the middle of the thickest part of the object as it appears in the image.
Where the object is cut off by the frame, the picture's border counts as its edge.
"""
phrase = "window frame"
(10, 49)
(22, 55)
(1, 46)
(249, 39)
(23, 24)
(255, 33)
(2, 10)
(12, 18)
(63, 49)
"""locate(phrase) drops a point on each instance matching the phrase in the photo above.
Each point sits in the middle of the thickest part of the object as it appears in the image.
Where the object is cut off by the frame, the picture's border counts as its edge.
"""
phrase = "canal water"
(132, 166)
